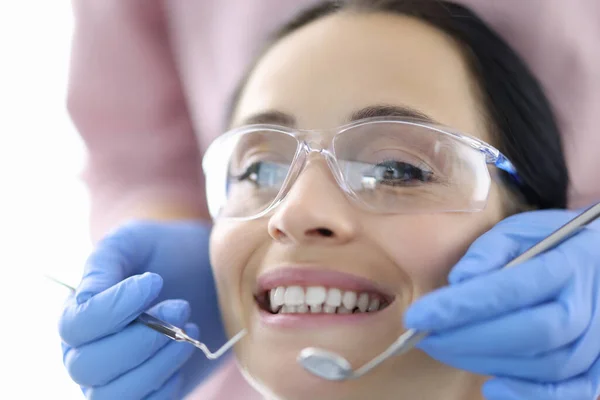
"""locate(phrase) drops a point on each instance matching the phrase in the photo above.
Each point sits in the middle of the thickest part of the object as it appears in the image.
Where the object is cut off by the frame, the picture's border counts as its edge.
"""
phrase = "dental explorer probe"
(173, 332)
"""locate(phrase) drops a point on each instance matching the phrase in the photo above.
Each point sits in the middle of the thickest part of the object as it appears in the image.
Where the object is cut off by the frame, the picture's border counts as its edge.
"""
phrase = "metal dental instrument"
(333, 367)
(173, 332)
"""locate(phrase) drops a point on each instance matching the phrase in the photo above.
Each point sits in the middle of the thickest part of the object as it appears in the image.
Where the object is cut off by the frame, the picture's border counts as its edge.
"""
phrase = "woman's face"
(317, 237)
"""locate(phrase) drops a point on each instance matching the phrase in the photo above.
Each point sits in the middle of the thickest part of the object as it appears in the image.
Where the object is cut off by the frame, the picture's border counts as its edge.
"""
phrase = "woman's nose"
(315, 210)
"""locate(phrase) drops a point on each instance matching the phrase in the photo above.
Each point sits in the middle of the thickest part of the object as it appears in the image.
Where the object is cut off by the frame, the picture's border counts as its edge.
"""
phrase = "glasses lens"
(405, 167)
(245, 172)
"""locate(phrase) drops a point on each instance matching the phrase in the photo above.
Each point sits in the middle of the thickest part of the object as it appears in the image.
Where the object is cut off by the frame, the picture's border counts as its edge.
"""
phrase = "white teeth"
(316, 295)
(278, 296)
(349, 300)
(329, 309)
(334, 297)
(302, 309)
(344, 310)
(294, 296)
(316, 309)
(374, 305)
(318, 299)
(363, 302)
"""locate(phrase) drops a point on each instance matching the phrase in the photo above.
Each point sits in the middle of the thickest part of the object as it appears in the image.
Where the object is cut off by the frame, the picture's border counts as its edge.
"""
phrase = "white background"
(43, 204)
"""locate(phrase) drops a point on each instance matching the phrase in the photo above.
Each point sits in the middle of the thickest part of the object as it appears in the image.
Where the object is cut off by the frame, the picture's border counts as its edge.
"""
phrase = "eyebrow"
(390, 111)
(271, 117)
(280, 118)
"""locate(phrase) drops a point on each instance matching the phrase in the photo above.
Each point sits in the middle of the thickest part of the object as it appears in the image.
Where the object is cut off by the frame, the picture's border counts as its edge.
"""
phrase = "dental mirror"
(333, 367)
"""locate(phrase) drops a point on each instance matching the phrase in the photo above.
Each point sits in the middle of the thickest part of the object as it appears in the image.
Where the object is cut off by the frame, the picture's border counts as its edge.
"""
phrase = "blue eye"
(397, 173)
(250, 174)
(264, 174)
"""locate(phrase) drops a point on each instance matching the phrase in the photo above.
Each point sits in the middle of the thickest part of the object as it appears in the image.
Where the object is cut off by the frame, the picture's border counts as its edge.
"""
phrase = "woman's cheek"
(427, 249)
(233, 243)
(233, 246)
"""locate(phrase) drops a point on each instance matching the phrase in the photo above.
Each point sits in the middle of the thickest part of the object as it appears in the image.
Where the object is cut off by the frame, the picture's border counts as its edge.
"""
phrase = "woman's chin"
(281, 377)
(268, 356)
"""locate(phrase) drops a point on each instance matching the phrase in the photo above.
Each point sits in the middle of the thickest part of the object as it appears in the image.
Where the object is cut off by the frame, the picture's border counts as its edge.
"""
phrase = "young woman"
(371, 144)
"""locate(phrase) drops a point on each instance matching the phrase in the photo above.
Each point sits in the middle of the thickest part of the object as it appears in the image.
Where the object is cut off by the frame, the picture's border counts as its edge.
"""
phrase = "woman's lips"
(318, 297)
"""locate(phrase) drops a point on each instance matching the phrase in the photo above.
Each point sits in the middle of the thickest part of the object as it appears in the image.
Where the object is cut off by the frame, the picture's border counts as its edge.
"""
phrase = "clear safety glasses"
(385, 165)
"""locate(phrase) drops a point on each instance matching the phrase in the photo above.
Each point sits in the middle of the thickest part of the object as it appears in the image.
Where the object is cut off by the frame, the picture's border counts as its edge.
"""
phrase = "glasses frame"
(493, 157)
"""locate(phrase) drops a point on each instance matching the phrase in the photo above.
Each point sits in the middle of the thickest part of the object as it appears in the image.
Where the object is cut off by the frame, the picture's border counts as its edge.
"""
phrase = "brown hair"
(519, 115)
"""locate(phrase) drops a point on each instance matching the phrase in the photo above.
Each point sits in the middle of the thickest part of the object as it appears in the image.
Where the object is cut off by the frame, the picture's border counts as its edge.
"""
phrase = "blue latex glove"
(162, 267)
(536, 327)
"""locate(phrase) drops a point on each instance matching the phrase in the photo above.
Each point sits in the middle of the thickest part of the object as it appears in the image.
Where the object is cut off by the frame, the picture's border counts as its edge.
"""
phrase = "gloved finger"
(525, 333)
(506, 240)
(555, 366)
(491, 295)
(170, 390)
(117, 256)
(151, 375)
(583, 387)
(109, 311)
(98, 363)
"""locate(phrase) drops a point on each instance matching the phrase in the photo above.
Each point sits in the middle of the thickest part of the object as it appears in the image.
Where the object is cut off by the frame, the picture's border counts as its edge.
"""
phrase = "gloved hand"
(133, 270)
(535, 328)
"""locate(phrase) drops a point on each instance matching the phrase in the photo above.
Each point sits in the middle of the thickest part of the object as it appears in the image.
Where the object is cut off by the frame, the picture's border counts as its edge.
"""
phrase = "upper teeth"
(318, 299)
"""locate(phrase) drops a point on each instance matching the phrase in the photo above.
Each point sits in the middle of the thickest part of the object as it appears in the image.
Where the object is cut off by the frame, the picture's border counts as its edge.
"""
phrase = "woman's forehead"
(336, 66)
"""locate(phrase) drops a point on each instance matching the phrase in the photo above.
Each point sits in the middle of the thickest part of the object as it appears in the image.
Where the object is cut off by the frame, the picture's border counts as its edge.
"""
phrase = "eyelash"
(430, 178)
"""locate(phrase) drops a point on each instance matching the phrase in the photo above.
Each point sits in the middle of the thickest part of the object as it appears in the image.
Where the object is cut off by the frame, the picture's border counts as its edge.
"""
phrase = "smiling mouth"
(320, 300)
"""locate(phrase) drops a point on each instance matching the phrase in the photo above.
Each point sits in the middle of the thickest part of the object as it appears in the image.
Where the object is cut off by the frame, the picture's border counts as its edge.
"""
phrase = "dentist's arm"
(126, 102)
